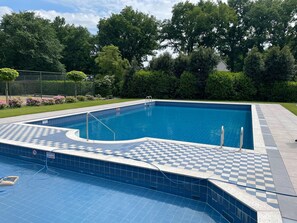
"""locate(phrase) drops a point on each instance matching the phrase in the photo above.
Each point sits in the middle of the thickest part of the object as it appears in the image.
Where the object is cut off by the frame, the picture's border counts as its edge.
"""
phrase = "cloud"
(5, 10)
(89, 21)
(88, 12)
(161, 9)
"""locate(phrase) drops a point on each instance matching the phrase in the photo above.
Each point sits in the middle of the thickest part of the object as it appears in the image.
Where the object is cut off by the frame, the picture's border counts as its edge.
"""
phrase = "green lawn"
(32, 110)
(292, 107)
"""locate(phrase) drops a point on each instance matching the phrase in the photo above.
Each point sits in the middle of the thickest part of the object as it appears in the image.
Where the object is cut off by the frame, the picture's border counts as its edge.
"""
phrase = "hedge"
(32, 87)
(279, 92)
(222, 85)
(155, 83)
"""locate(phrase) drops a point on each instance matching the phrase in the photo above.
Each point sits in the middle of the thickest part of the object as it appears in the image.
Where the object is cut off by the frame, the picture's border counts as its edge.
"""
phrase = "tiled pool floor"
(248, 169)
(65, 196)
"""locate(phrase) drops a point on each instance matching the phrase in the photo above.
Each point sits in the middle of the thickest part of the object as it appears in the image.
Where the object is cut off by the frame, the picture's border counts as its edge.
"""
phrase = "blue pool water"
(64, 196)
(189, 122)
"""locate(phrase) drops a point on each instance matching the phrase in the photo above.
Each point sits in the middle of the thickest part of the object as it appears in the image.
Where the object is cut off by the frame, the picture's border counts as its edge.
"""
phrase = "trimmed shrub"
(59, 99)
(279, 92)
(59, 87)
(70, 99)
(48, 101)
(81, 98)
(223, 85)
(33, 102)
(90, 97)
(104, 85)
(15, 102)
(154, 83)
(8, 75)
(243, 86)
(2, 105)
(219, 86)
(187, 85)
(279, 64)
(76, 76)
(254, 65)
(109, 97)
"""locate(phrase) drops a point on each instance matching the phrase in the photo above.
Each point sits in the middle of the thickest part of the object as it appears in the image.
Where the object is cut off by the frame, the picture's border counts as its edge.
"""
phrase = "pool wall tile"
(193, 188)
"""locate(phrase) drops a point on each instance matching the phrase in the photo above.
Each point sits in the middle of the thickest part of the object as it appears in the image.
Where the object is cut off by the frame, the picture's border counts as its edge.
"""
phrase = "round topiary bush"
(76, 76)
(7, 75)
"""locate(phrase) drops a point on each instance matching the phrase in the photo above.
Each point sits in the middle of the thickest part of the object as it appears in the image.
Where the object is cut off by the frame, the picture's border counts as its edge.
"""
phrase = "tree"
(133, 32)
(181, 64)
(29, 42)
(128, 78)
(78, 45)
(202, 63)
(279, 64)
(187, 85)
(290, 16)
(76, 76)
(228, 38)
(104, 85)
(236, 44)
(263, 19)
(164, 63)
(190, 26)
(7, 75)
(254, 65)
(110, 62)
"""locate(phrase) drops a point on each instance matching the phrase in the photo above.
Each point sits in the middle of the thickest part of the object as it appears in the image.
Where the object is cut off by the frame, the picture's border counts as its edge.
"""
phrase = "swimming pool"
(64, 196)
(190, 122)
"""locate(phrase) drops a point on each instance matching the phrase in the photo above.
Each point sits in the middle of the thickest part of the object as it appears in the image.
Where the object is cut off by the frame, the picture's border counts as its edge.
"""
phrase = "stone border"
(282, 181)
(258, 142)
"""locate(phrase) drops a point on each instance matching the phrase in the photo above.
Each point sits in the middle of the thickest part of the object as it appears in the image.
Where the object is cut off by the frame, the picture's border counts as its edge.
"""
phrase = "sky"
(87, 12)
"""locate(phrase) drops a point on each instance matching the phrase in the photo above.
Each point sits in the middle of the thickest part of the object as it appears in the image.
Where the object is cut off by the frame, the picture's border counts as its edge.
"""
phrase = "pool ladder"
(148, 100)
(223, 138)
(98, 120)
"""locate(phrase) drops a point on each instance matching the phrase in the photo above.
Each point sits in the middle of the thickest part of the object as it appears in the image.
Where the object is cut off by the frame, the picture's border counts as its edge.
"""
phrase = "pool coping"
(282, 179)
(265, 212)
(258, 142)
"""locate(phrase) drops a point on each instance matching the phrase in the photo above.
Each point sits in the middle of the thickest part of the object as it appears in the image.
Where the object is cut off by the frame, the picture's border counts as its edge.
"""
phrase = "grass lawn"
(292, 107)
(47, 108)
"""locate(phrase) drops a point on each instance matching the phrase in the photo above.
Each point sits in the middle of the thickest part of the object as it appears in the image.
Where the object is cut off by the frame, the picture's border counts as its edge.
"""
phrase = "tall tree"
(236, 42)
(279, 64)
(133, 32)
(29, 42)
(263, 21)
(190, 26)
(254, 65)
(78, 45)
(289, 17)
(202, 62)
(181, 64)
(111, 63)
(163, 62)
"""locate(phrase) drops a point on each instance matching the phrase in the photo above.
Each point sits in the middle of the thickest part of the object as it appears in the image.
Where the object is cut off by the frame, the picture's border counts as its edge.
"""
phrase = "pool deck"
(283, 159)
(272, 169)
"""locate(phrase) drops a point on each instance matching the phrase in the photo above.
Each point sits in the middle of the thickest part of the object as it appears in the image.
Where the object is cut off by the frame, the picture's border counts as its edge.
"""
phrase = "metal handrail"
(87, 125)
(222, 137)
(241, 139)
(148, 99)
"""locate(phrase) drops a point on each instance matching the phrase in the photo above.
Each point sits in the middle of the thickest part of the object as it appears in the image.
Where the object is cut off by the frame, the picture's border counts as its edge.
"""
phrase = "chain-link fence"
(43, 83)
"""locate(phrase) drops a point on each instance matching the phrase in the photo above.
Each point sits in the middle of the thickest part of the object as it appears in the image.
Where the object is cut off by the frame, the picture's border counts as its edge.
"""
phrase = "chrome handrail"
(148, 99)
(87, 126)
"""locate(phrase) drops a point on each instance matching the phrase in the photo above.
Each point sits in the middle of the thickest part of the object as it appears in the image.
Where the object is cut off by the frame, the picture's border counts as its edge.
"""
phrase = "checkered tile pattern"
(250, 171)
